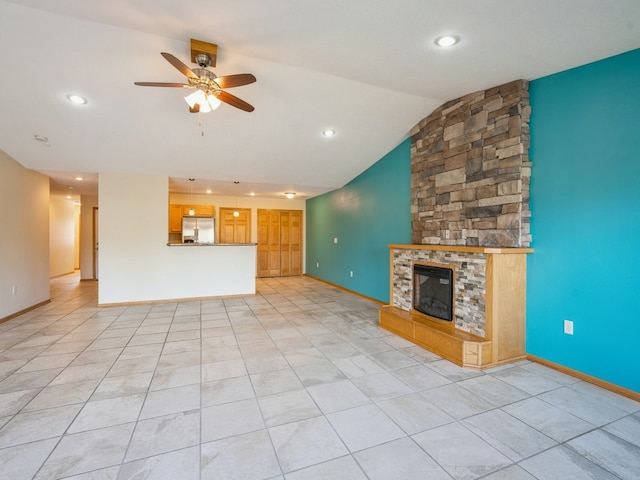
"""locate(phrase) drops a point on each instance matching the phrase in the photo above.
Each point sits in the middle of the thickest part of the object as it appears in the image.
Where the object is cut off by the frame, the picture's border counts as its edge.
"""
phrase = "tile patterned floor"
(297, 382)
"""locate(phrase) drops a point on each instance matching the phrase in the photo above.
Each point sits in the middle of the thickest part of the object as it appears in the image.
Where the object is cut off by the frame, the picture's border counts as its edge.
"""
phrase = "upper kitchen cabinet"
(176, 212)
(175, 218)
(199, 210)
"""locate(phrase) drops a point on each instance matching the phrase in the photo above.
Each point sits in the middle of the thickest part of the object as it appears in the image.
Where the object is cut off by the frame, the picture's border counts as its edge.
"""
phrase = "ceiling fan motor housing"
(203, 60)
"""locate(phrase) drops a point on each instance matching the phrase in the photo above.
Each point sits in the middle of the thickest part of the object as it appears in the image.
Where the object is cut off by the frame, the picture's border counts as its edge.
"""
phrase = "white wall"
(135, 263)
(89, 202)
(62, 223)
(24, 240)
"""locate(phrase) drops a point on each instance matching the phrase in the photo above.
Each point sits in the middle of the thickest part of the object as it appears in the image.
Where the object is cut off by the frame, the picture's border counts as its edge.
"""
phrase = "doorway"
(279, 243)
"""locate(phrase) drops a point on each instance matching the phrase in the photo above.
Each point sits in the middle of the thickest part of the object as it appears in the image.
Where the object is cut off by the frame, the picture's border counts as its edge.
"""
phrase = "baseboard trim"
(339, 287)
(612, 387)
(174, 300)
(21, 312)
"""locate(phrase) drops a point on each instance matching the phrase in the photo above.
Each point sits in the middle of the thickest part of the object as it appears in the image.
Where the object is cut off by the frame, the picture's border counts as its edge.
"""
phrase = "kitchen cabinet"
(175, 218)
(199, 210)
(177, 211)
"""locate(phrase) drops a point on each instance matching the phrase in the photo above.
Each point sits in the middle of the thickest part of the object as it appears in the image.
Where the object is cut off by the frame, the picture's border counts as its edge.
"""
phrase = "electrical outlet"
(335, 239)
(568, 327)
(351, 273)
(317, 264)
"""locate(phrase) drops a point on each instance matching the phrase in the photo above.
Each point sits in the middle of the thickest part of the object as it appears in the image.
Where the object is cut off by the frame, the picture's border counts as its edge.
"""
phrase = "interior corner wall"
(24, 240)
(365, 216)
(586, 219)
(62, 221)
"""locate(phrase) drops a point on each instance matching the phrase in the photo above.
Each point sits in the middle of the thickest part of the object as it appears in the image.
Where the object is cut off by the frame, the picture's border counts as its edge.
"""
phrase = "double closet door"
(279, 243)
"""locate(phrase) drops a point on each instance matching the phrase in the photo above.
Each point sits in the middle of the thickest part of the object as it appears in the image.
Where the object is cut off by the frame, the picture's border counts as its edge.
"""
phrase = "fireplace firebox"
(433, 291)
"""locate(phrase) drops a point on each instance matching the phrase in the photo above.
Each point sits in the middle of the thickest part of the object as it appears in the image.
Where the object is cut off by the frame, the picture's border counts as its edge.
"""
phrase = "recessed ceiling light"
(447, 40)
(208, 190)
(77, 99)
(289, 194)
(253, 194)
(79, 178)
(329, 132)
(69, 197)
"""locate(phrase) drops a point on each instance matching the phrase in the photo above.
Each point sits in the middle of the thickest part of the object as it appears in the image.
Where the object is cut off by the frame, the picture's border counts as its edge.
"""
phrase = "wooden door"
(279, 243)
(235, 229)
(295, 242)
(285, 244)
(268, 243)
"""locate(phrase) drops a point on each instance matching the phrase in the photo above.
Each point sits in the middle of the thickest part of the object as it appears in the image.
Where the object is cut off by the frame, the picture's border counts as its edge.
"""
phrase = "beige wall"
(24, 243)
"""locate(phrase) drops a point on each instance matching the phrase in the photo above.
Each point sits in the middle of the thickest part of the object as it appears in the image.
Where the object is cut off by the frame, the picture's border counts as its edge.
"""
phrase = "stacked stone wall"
(470, 171)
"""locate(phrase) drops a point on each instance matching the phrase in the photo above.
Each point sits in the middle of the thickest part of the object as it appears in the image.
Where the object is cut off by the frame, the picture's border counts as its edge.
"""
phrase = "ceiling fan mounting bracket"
(198, 47)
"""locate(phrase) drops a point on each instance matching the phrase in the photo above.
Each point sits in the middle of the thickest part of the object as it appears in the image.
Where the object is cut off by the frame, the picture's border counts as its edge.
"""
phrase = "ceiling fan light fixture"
(289, 194)
(205, 102)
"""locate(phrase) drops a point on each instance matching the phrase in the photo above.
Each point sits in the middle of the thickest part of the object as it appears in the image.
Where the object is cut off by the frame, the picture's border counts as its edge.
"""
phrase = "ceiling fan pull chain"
(201, 124)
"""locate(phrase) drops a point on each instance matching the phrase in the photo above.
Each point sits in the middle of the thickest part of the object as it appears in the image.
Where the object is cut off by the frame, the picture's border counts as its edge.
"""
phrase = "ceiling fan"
(209, 88)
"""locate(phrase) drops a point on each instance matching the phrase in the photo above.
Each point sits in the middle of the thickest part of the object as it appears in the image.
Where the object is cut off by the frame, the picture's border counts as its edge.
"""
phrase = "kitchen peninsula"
(214, 270)
(224, 269)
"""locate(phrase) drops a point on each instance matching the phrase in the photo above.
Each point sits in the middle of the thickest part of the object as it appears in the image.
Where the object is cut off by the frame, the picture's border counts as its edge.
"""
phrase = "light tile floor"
(297, 382)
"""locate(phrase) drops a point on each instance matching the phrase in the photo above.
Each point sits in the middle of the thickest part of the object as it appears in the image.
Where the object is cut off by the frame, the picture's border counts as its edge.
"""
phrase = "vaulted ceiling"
(369, 69)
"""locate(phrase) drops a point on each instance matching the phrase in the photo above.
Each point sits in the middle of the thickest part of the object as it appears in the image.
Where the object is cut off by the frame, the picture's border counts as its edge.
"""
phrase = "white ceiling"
(367, 68)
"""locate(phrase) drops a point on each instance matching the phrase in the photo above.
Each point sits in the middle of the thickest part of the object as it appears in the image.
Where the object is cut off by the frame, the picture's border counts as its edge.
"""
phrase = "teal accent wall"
(366, 215)
(585, 204)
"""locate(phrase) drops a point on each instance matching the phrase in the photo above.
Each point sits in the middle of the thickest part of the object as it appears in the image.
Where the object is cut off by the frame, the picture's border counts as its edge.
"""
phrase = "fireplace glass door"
(433, 291)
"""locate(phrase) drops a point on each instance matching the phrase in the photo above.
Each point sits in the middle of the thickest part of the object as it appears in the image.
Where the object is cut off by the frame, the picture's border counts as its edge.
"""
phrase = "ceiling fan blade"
(229, 81)
(235, 101)
(195, 108)
(161, 84)
(186, 71)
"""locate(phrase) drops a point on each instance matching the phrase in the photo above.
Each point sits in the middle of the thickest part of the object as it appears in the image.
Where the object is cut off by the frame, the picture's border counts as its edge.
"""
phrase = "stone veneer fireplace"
(470, 175)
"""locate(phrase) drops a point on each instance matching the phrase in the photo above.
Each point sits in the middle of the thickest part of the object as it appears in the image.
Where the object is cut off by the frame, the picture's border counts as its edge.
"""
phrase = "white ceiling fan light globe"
(213, 101)
(196, 97)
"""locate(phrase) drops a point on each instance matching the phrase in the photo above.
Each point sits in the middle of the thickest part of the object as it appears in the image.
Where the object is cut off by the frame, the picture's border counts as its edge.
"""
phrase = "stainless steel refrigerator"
(198, 230)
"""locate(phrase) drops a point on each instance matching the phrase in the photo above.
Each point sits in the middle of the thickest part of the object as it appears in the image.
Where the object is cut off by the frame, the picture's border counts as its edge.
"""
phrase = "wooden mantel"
(504, 311)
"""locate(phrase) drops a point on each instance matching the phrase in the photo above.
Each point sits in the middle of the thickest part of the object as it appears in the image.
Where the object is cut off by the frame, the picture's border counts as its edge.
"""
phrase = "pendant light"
(192, 212)
(236, 213)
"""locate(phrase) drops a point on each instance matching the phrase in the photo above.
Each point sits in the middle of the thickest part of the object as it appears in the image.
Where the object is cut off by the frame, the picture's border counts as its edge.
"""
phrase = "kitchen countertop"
(211, 244)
